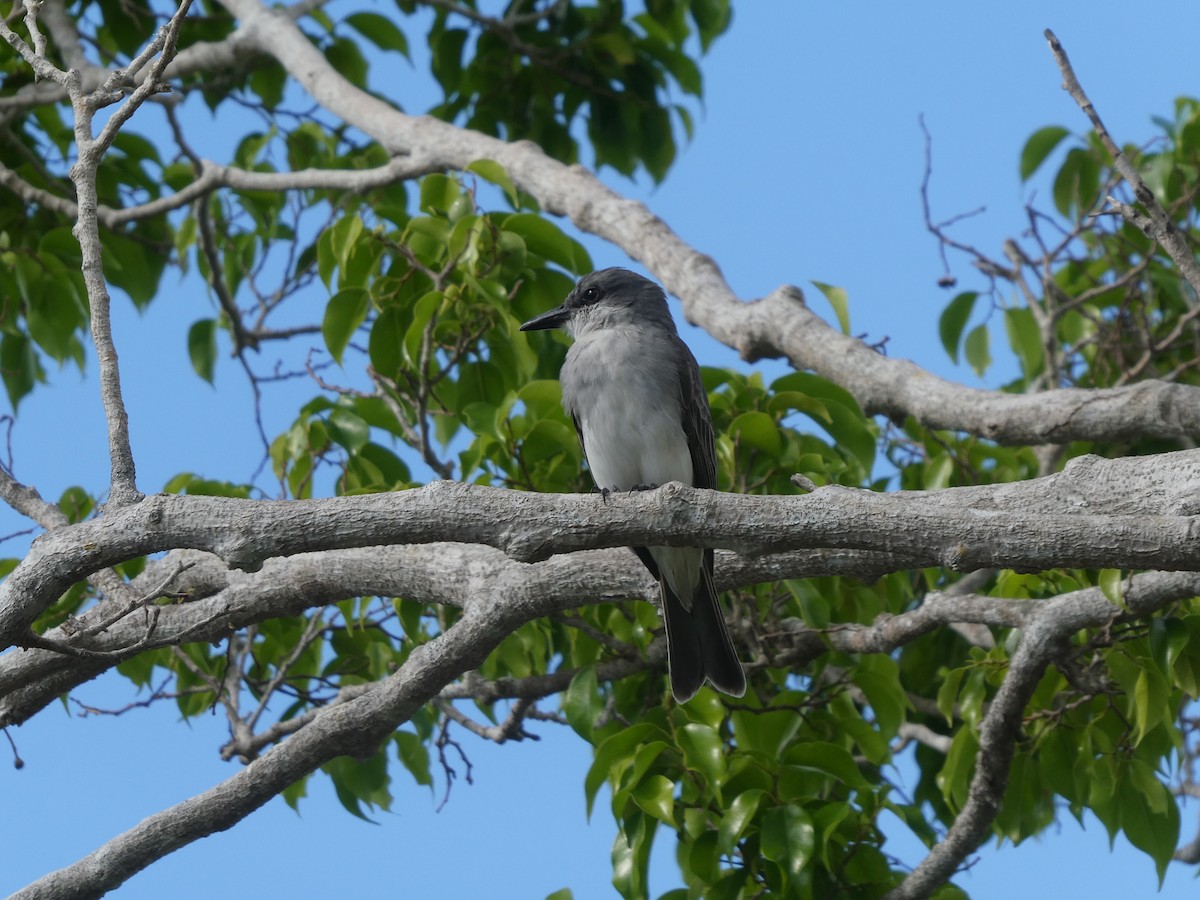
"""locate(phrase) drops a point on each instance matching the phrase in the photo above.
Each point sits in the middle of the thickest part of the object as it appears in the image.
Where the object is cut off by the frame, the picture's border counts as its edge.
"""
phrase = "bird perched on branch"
(633, 389)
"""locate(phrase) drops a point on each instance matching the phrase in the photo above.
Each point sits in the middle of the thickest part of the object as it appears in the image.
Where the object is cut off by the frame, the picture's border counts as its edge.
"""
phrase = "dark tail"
(698, 644)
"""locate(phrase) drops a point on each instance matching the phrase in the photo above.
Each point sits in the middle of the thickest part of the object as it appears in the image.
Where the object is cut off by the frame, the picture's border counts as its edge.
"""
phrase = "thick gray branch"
(223, 600)
(1135, 513)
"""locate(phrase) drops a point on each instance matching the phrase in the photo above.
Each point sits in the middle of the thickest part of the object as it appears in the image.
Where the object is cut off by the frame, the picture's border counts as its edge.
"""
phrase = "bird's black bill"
(555, 318)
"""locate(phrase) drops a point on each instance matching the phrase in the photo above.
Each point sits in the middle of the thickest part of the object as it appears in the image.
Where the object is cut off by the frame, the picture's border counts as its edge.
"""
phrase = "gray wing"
(697, 420)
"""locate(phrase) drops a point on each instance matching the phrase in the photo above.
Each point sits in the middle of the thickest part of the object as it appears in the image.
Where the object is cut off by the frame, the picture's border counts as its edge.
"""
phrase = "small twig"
(444, 740)
(42, 68)
(511, 729)
(388, 391)
(1158, 225)
(922, 734)
(159, 693)
(139, 602)
(32, 8)
(938, 229)
(208, 244)
(312, 631)
(600, 637)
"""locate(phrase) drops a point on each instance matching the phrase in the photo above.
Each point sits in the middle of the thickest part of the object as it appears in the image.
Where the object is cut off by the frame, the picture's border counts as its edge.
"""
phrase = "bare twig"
(1157, 224)
(123, 489)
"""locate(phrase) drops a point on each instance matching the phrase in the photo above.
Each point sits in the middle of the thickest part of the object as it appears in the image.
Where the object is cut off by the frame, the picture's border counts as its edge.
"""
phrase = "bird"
(633, 389)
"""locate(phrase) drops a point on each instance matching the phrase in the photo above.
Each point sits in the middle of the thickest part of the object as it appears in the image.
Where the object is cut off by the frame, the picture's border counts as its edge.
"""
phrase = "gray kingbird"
(633, 389)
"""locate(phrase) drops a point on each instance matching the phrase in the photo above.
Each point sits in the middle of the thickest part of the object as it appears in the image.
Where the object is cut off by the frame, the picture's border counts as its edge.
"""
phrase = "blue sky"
(805, 166)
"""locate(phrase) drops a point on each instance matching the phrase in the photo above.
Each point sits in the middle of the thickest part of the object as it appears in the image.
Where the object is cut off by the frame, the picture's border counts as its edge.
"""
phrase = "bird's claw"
(605, 492)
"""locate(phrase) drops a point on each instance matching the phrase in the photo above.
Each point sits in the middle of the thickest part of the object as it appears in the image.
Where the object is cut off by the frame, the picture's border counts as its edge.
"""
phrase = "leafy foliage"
(421, 288)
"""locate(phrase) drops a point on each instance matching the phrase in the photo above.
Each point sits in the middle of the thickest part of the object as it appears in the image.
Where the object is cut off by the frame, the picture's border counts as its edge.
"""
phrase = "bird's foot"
(604, 492)
(643, 487)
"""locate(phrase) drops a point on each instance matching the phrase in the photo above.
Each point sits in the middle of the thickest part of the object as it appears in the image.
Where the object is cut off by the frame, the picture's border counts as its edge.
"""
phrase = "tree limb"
(356, 727)
(223, 600)
(1128, 513)
(1050, 624)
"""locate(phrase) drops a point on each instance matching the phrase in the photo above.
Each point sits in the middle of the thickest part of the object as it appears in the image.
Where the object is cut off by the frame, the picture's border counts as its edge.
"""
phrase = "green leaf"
(711, 18)
(847, 426)
(581, 702)
(1168, 638)
(703, 857)
(976, 347)
(655, 795)
(1040, 145)
(622, 744)
(446, 61)
(1110, 586)
(380, 31)
(268, 81)
(656, 142)
(438, 193)
(1154, 833)
(1077, 184)
(414, 755)
(343, 236)
(788, 838)
(880, 680)
(766, 732)
(61, 244)
(132, 266)
(348, 429)
(954, 779)
(53, 313)
(947, 694)
(295, 792)
(360, 781)
(422, 315)
(758, 431)
(737, 817)
(821, 756)
(1025, 338)
(490, 170)
(840, 302)
(347, 59)
(345, 312)
(703, 752)
(202, 348)
(954, 319)
(546, 240)
(784, 402)
(1151, 699)
(385, 345)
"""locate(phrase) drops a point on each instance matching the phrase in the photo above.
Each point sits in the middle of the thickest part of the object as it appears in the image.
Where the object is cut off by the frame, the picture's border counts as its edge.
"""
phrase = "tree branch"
(123, 488)
(222, 601)
(355, 728)
(1158, 225)
(1048, 627)
(1128, 513)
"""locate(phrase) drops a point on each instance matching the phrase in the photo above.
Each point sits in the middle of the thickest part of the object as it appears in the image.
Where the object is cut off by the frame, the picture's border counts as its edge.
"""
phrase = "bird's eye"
(590, 295)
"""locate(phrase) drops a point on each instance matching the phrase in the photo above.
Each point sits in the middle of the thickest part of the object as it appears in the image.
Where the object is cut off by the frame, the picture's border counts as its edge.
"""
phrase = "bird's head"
(608, 298)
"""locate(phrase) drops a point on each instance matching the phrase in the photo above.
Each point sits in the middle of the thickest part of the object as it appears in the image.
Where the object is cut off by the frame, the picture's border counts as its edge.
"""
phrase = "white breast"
(627, 405)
